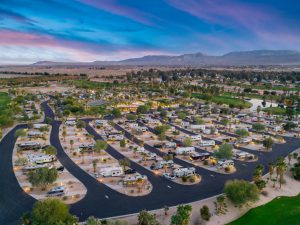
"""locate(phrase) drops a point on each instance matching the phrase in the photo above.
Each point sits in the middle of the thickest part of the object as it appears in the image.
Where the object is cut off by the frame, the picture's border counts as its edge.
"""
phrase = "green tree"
(42, 177)
(145, 218)
(280, 170)
(93, 221)
(48, 120)
(20, 133)
(116, 113)
(124, 163)
(199, 121)
(95, 161)
(100, 145)
(131, 117)
(142, 109)
(187, 142)
(50, 212)
(268, 142)
(224, 152)
(242, 133)
(240, 192)
(50, 150)
(80, 124)
(123, 143)
(258, 127)
(182, 216)
(71, 143)
(181, 115)
(204, 212)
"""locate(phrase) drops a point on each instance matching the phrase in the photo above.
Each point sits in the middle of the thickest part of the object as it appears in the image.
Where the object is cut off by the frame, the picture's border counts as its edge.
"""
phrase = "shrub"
(184, 179)
(192, 179)
(204, 212)
(240, 192)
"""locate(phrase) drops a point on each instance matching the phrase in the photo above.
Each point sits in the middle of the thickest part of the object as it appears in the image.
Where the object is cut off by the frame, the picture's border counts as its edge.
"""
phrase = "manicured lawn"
(4, 100)
(275, 110)
(224, 99)
(94, 85)
(280, 211)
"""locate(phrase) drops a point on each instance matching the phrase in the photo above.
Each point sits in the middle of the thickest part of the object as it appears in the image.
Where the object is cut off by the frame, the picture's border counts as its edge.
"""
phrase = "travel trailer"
(116, 171)
(199, 156)
(206, 143)
(225, 163)
(184, 150)
(184, 172)
(29, 145)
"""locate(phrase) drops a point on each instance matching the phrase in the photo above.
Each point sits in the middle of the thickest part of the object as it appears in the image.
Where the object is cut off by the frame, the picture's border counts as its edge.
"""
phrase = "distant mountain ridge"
(256, 57)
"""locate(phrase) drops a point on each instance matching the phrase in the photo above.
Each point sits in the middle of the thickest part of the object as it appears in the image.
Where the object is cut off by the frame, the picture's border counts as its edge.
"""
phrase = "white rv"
(206, 143)
(70, 123)
(101, 122)
(134, 178)
(184, 172)
(170, 144)
(196, 137)
(184, 150)
(116, 171)
(197, 127)
(223, 163)
(115, 137)
(56, 191)
(39, 125)
(45, 159)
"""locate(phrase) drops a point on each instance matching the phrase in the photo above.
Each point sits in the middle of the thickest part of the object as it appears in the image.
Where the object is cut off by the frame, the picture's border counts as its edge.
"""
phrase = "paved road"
(101, 201)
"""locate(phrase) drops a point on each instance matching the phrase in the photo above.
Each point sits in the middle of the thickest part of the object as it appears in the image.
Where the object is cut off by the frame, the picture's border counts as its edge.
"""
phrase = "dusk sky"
(88, 30)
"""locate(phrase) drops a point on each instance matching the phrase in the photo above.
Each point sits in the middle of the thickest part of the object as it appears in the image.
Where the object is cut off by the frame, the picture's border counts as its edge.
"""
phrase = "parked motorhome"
(140, 129)
(35, 134)
(115, 137)
(116, 171)
(184, 172)
(29, 145)
(70, 123)
(196, 137)
(39, 125)
(101, 122)
(45, 159)
(185, 124)
(170, 144)
(134, 178)
(185, 150)
(223, 163)
(35, 167)
(161, 164)
(206, 143)
(197, 127)
(56, 191)
(199, 156)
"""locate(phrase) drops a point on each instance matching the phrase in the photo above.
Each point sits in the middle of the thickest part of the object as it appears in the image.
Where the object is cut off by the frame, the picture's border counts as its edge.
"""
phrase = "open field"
(227, 100)
(280, 211)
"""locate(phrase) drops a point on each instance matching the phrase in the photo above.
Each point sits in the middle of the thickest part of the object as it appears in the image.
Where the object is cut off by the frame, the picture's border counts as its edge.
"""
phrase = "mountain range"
(247, 58)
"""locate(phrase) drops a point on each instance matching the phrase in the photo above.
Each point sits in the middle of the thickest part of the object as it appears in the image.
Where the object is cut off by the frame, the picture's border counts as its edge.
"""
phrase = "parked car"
(168, 176)
(130, 171)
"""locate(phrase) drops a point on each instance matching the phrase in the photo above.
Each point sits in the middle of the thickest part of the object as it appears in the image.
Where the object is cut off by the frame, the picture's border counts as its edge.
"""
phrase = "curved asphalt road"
(101, 201)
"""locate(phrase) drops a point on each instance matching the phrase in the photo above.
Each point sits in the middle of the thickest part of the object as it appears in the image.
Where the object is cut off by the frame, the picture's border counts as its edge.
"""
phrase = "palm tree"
(64, 134)
(290, 158)
(281, 169)
(100, 145)
(71, 143)
(124, 163)
(95, 161)
(271, 169)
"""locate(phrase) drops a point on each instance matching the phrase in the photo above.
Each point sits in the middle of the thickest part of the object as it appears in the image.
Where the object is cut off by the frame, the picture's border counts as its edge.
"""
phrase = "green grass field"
(4, 101)
(224, 99)
(280, 211)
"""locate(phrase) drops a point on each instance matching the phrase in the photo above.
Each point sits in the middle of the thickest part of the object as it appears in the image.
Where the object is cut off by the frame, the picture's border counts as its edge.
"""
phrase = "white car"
(168, 176)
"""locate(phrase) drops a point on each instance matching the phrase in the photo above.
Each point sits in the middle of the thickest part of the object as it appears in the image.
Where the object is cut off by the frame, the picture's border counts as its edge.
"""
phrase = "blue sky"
(88, 30)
